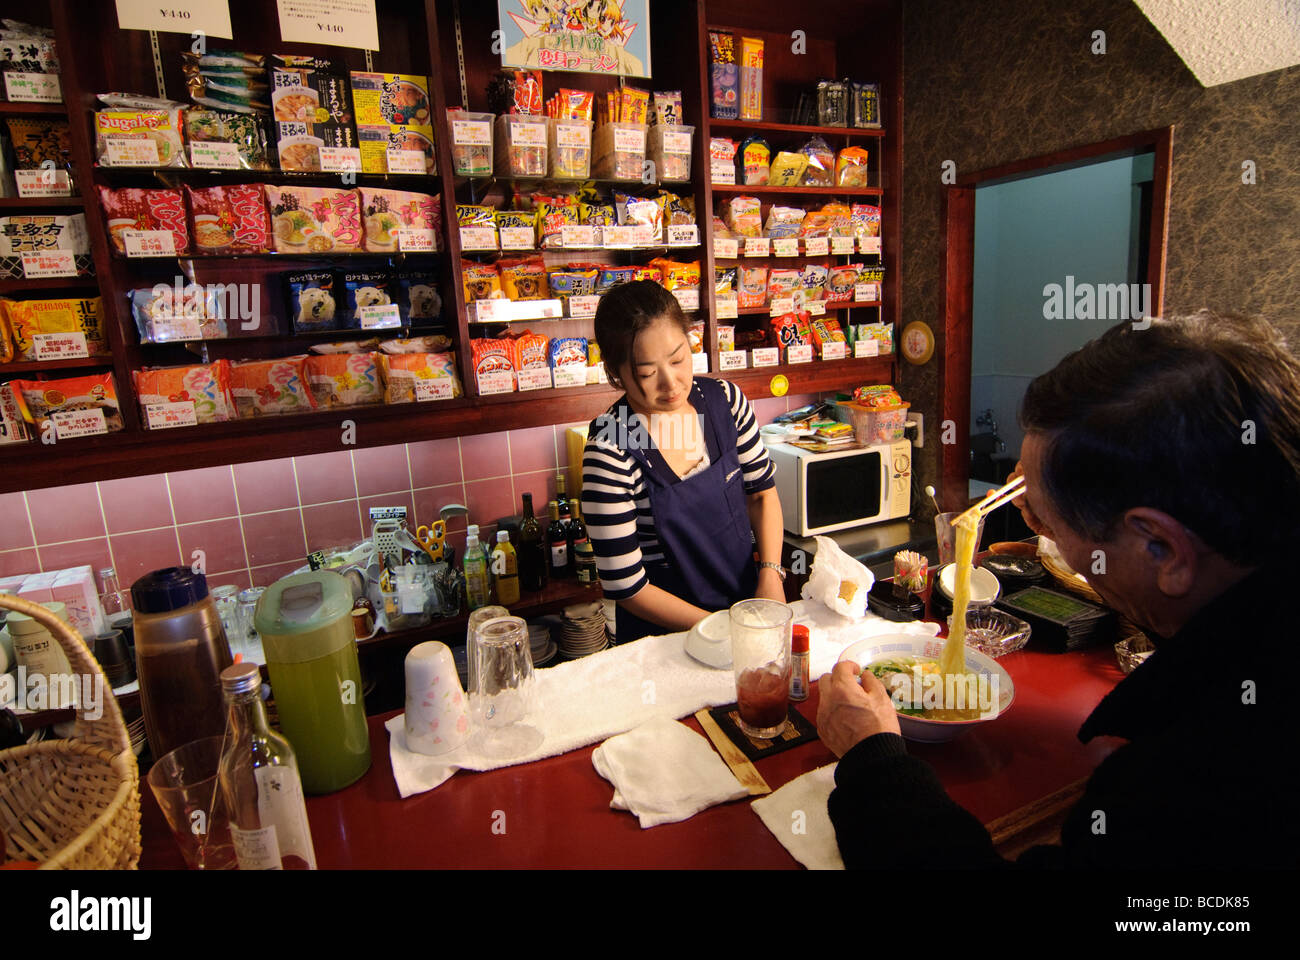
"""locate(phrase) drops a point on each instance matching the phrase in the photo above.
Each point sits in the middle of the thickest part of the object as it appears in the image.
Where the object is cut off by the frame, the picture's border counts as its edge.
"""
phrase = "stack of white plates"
(583, 630)
(543, 647)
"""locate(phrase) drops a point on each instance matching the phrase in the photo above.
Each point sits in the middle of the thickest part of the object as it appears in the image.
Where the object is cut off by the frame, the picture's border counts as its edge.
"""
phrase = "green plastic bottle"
(477, 591)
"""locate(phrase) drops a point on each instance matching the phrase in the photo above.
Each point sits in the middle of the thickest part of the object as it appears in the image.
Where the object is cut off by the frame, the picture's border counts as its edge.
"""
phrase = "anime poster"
(592, 36)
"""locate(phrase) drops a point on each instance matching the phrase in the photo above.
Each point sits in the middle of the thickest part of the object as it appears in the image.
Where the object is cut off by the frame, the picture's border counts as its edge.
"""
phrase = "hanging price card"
(727, 309)
(438, 388)
(407, 161)
(535, 378)
(78, 423)
(816, 308)
(731, 360)
(869, 245)
(416, 240)
(53, 263)
(165, 416)
(340, 23)
(379, 316)
(571, 375)
(835, 351)
(781, 305)
(149, 243)
(583, 306)
(33, 87)
(688, 297)
(766, 356)
(866, 348)
(517, 238)
(757, 247)
(699, 363)
(786, 247)
(478, 238)
(496, 381)
(43, 183)
(800, 354)
(572, 235)
(210, 155)
(817, 246)
(841, 245)
(683, 235)
(726, 249)
(340, 159)
(59, 346)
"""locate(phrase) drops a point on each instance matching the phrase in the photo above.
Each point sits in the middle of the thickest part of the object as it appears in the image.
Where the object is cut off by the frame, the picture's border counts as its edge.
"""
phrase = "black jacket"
(1207, 778)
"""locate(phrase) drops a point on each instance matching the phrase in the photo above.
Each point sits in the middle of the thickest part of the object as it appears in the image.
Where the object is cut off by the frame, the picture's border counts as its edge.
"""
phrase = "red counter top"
(556, 811)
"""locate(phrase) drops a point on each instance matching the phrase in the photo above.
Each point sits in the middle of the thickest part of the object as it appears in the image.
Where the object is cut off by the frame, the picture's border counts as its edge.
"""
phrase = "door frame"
(958, 275)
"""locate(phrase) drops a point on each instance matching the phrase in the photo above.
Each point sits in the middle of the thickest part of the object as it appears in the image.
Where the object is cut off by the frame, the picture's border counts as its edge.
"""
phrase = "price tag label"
(170, 329)
(677, 141)
(727, 309)
(726, 249)
(817, 246)
(583, 306)
(841, 245)
(816, 308)
(683, 235)
(59, 346)
(835, 351)
(688, 297)
(731, 360)
(766, 356)
(340, 159)
(78, 423)
(194, 17)
(53, 263)
(214, 156)
(866, 348)
(438, 388)
(800, 354)
(496, 381)
(131, 152)
(165, 416)
(43, 183)
(416, 239)
(535, 378)
(340, 23)
(757, 247)
(517, 238)
(149, 243)
(621, 236)
(33, 87)
(571, 375)
(869, 245)
(572, 235)
(645, 235)
(471, 133)
(478, 238)
(786, 247)
(699, 362)
(488, 311)
(629, 139)
(865, 292)
(407, 161)
(572, 135)
(722, 172)
(528, 134)
(782, 305)
(380, 316)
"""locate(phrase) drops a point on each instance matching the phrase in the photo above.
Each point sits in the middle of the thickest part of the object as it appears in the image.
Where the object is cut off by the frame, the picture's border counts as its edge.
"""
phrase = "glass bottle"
(580, 548)
(110, 593)
(477, 589)
(532, 550)
(561, 497)
(505, 570)
(260, 782)
(557, 538)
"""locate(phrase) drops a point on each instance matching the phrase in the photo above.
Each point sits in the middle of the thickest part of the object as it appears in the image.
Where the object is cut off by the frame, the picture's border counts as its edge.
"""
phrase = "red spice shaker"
(799, 663)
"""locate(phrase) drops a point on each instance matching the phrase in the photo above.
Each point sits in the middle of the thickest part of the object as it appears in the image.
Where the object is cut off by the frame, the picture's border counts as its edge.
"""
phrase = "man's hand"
(1031, 519)
(850, 711)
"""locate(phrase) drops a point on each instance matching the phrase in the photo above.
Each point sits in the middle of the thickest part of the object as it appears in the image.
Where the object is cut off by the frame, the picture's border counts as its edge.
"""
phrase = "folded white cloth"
(797, 816)
(664, 772)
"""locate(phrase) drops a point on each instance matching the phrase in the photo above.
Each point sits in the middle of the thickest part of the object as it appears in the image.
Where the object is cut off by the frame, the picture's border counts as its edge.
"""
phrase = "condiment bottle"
(39, 654)
(180, 651)
(505, 570)
(799, 678)
(259, 779)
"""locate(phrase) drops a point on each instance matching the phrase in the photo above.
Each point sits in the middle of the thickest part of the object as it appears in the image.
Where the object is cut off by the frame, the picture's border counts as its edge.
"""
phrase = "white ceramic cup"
(437, 710)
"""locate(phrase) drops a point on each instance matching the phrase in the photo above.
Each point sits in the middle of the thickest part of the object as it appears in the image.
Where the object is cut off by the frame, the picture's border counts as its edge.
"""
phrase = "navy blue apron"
(701, 522)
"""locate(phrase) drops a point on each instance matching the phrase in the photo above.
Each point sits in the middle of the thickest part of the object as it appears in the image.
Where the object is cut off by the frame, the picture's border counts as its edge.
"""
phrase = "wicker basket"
(74, 803)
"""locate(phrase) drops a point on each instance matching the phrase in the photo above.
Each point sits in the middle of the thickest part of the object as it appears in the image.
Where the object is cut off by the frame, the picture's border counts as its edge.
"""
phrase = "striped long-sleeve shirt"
(616, 498)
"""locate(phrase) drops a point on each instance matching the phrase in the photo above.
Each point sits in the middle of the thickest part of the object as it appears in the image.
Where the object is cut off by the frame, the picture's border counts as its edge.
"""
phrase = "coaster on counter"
(797, 731)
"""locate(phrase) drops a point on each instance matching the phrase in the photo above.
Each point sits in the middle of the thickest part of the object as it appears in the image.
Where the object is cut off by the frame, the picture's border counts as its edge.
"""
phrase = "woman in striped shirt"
(677, 489)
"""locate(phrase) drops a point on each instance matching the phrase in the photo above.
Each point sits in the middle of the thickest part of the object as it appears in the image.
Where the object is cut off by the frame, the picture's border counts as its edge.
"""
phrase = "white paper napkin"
(664, 772)
(797, 816)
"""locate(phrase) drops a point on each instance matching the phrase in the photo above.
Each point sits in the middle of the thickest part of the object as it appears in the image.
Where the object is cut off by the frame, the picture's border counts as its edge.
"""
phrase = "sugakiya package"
(229, 219)
(313, 304)
(312, 106)
(388, 213)
(205, 386)
(271, 387)
(419, 296)
(416, 377)
(43, 233)
(34, 323)
(135, 209)
(167, 312)
(75, 406)
(370, 299)
(393, 113)
(344, 379)
(315, 219)
(139, 132)
(492, 357)
(249, 143)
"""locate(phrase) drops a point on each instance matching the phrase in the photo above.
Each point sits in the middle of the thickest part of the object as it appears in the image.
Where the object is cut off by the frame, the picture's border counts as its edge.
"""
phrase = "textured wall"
(988, 82)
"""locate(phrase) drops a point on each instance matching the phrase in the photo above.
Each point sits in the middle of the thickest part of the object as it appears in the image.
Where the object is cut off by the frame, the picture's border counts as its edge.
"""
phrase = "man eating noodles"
(1166, 454)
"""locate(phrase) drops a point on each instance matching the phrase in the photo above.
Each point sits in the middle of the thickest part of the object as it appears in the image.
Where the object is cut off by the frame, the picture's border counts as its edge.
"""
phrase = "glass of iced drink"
(760, 653)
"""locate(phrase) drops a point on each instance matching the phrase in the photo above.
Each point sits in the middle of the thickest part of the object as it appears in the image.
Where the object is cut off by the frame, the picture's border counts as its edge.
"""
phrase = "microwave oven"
(823, 492)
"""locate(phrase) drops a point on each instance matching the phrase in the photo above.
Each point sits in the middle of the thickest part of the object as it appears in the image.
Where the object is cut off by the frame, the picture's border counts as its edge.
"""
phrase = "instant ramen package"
(74, 405)
(315, 219)
(28, 322)
(43, 233)
(40, 144)
(311, 103)
(751, 286)
(136, 209)
(419, 297)
(482, 281)
(271, 387)
(370, 297)
(393, 113)
(745, 216)
(791, 330)
(412, 377)
(313, 304)
(840, 281)
(523, 279)
(206, 386)
(344, 379)
(821, 163)
(246, 132)
(492, 356)
(230, 219)
(156, 123)
(386, 213)
(166, 313)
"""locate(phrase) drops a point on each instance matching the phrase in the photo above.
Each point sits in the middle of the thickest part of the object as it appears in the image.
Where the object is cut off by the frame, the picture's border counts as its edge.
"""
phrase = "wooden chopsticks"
(1003, 495)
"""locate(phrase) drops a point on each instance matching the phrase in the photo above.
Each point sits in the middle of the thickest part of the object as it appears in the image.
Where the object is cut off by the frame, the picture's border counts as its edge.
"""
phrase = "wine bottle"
(532, 550)
(557, 538)
(580, 549)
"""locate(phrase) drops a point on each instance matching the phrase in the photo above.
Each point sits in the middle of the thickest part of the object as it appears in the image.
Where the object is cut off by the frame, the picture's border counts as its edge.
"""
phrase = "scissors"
(431, 538)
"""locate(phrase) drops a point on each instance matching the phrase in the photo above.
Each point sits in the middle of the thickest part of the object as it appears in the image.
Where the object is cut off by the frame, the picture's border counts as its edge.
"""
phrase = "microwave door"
(844, 491)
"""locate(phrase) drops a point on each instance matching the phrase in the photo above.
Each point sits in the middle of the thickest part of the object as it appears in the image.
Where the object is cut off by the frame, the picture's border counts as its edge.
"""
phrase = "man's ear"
(1173, 550)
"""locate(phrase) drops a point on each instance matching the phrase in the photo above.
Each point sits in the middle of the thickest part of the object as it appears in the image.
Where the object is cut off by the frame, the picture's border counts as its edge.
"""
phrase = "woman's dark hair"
(1196, 416)
(627, 310)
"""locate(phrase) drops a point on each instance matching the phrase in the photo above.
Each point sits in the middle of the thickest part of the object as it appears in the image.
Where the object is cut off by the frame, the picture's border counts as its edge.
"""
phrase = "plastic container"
(670, 149)
(471, 143)
(569, 143)
(620, 151)
(873, 425)
(522, 144)
(39, 653)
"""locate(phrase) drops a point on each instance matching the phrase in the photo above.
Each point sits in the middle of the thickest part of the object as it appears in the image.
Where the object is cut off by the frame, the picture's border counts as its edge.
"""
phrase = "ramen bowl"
(993, 682)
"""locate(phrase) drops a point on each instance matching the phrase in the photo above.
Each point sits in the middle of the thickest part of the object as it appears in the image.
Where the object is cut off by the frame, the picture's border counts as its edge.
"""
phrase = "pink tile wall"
(256, 522)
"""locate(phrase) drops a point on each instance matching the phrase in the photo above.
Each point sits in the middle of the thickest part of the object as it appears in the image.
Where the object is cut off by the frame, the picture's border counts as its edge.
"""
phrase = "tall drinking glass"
(184, 782)
(476, 618)
(501, 664)
(946, 535)
(760, 652)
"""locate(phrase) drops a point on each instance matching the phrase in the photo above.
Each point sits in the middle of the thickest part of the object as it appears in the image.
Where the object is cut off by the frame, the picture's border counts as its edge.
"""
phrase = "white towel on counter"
(797, 816)
(664, 772)
(588, 700)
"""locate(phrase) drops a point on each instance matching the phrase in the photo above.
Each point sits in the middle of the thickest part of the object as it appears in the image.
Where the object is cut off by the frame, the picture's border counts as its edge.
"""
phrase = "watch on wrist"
(780, 570)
